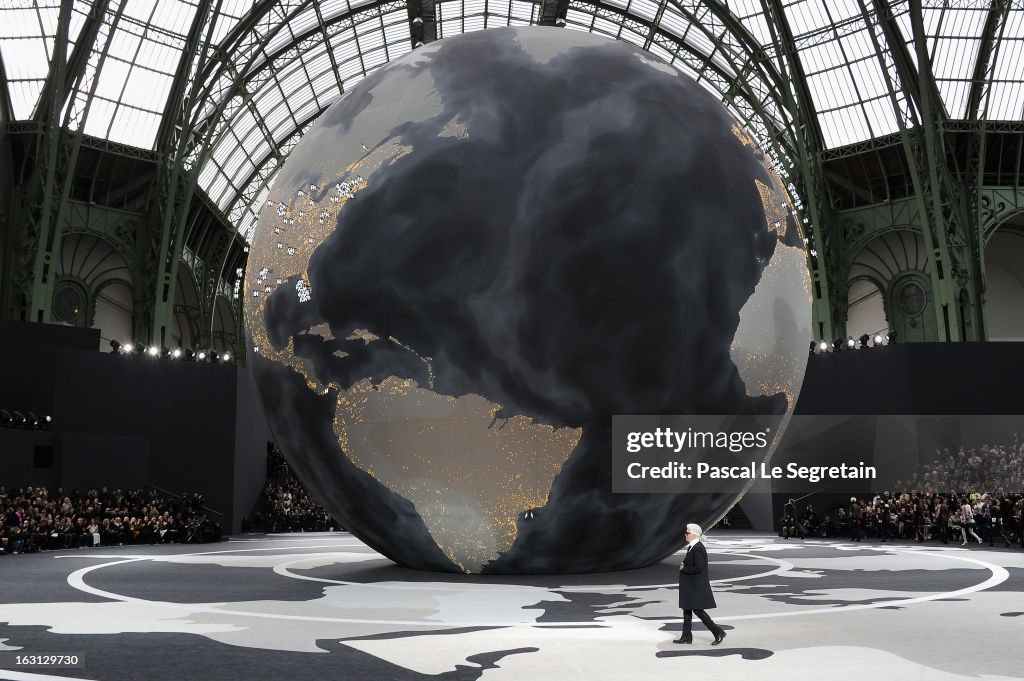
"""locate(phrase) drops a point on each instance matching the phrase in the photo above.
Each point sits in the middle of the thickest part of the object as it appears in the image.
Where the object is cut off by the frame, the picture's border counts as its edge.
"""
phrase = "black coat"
(694, 583)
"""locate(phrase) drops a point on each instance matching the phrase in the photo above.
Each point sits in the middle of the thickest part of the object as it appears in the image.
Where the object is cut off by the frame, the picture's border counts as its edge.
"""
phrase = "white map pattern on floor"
(804, 610)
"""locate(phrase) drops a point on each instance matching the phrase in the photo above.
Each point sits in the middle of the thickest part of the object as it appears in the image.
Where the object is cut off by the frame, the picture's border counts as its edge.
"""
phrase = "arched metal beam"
(995, 23)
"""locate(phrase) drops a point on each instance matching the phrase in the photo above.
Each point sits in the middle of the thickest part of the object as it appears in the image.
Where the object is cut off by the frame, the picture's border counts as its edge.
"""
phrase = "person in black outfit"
(856, 520)
(695, 595)
(790, 519)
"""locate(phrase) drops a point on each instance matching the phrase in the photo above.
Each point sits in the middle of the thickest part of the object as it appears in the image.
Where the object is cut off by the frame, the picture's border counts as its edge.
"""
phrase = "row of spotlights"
(865, 341)
(186, 354)
(27, 420)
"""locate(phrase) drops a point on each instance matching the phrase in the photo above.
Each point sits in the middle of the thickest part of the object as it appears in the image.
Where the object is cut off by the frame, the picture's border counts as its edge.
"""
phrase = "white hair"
(695, 529)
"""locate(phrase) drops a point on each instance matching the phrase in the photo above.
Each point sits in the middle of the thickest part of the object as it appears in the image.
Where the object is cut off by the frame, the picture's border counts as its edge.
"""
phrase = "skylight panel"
(473, 7)
(699, 41)
(674, 23)
(881, 117)
(25, 58)
(101, 113)
(275, 116)
(575, 18)
(522, 10)
(173, 16)
(332, 8)
(633, 37)
(375, 59)
(955, 95)
(856, 46)
(307, 108)
(230, 12)
(344, 45)
(234, 162)
(867, 74)
(158, 56)
(396, 33)
(832, 89)
(112, 78)
(955, 58)
(1009, 64)
(316, 60)
(325, 85)
(244, 123)
(806, 16)
(844, 126)
(125, 42)
(261, 150)
(306, 21)
(399, 49)
(207, 176)
(820, 57)
(349, 69)
(25, 22)
(643, 8)
(133, 126)
(602, 25)
(1006, 102)
(499, 7)
(751, 14)
(146, 89)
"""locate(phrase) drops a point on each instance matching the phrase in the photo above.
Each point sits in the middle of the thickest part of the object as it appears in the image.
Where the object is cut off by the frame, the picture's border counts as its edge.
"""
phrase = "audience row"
(34, 519)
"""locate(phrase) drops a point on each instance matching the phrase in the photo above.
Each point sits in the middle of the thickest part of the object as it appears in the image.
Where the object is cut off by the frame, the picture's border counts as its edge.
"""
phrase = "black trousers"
(704, 617)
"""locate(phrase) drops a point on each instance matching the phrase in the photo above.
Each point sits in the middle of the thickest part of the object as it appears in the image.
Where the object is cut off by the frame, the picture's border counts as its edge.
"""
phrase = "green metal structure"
(138, 141)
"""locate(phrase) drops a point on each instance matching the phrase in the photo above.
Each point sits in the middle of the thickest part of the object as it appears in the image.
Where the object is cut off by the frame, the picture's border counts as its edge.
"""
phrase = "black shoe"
(684, 639)
(719, 637)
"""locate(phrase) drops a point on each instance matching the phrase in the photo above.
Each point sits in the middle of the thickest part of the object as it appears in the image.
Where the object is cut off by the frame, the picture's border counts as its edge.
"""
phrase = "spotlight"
(864, 340)
(823, 346)
(153, 351)
(46, 422)
(891, 337)
(850, 343)
(214, 356)
(115, 346)
(226, 357)
(837, 345)
(128, 348)
(19, 420)
(31, 421)
(189, 355)
(201, 356)
(6, 419)
(878, 339)
(176, 353)
(813, 345)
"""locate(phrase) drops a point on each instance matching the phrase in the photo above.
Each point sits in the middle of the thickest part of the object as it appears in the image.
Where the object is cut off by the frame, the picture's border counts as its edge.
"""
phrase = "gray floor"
(319, 606)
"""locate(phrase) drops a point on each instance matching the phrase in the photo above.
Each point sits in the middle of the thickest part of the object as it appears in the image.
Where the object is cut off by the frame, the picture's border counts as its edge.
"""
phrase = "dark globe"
(479, 255)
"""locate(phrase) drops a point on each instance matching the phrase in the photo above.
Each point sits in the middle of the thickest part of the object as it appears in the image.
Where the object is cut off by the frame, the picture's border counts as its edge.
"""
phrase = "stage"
(319, 606)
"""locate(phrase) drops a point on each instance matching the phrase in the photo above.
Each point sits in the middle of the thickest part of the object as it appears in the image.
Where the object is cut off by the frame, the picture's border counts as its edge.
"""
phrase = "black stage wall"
(130, 421)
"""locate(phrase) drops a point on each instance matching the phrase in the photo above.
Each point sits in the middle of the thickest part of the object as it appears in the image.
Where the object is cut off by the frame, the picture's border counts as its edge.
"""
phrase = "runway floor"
(325, 606)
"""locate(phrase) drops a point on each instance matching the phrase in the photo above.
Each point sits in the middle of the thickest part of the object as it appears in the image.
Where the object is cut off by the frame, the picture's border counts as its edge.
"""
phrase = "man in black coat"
(695, 594)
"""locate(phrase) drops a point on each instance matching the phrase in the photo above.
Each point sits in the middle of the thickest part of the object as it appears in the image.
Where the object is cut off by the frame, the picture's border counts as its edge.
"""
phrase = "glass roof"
(261, 72)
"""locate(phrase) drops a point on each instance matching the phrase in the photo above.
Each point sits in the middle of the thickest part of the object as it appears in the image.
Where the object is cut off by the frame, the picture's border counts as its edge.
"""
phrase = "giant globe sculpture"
(478, 256)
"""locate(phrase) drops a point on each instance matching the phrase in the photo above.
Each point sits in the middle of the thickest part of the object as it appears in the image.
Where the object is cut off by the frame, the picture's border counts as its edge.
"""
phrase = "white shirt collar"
(691, 543)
